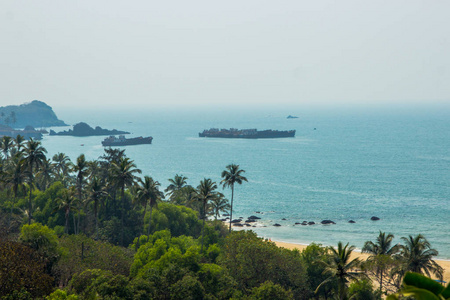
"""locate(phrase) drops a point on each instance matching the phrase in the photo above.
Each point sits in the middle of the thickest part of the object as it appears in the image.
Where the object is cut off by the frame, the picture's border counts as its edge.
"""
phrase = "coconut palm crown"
(230, 176)
(341, 269)
(417, 256)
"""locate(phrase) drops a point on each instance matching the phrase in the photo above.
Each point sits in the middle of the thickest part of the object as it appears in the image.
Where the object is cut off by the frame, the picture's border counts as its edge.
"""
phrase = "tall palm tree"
(6, 144)
(123, 175)
(379, 251)
(219, 204)
(96, 192)
(80, 168)
(63, 166)
(148, 193)
(417, 256)
(205, 193)
(176, 184)
(230, 176)
(45, 174)
(34, 157)
(67, 203)
(18, 142)
(14, 178)
(340, 268)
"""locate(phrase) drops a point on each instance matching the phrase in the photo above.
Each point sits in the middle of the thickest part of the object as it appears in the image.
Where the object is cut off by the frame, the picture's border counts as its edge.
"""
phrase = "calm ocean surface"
(395, 166)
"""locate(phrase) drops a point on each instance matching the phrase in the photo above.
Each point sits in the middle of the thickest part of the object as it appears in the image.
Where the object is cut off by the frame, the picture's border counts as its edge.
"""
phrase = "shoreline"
(445, 264)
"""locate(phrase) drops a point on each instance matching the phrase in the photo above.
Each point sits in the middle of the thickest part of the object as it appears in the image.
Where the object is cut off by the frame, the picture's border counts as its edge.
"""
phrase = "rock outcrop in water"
(27, 133)
(83, 129)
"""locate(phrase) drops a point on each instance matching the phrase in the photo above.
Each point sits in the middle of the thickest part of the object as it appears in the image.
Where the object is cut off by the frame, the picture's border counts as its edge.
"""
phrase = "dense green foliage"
(95, 230)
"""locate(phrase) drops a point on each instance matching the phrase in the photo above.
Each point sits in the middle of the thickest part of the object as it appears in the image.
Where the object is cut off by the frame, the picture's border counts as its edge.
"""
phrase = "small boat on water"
(122, 141)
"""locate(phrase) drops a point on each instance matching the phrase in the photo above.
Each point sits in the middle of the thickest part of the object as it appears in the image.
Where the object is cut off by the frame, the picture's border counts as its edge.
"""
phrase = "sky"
(227, 53)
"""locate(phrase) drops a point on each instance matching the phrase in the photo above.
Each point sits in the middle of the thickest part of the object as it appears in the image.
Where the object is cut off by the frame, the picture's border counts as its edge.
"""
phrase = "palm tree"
(417, 256)
(123, 175)
(14, 178)
(148, 193)
(45, 174)
(63, 166)
(176, 184)
(18, 141)
(230, 176)
(205, 193)
(219, 204)
(96, 192)
(6, 144)
(67, 203)
(380, 251)
(340, 268)
(34, 157)
(81, 168)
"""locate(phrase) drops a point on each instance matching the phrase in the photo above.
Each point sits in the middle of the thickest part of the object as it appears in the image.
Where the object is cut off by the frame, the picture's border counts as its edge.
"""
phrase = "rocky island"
(35, 114)
(83, 129)
(28, 132)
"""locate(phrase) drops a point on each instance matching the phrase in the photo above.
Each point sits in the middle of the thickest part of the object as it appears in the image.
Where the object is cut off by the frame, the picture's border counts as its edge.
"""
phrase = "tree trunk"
(231, 210)
(74, 224)
(31, 188)
(203, 227)
(123, 213)
(66, 229)
(149, 222)
(96, 218)
(143, 217)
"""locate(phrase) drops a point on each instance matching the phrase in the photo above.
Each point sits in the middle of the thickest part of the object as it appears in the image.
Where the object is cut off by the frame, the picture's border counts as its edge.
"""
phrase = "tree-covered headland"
(101, 229)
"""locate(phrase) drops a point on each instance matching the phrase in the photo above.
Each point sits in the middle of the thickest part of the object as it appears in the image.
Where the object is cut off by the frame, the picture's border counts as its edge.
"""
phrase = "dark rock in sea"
(326, 222)
(297, 223)
(247, 225)
(238, 225)
(83, 129)
(276, 224)
(250, 221)
(284, 219)
(351, 221)
(223, 220)
(236, 221)
(304, 223)
(27, 133)
(226, 215)
(311, 223)
(374, 218)
(257, 212)
(254, 218)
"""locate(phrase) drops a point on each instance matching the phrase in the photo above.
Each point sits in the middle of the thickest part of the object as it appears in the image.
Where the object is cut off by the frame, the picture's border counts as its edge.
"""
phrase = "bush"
(269, 290)
(363, 290)
(22, 272)
(252, 261)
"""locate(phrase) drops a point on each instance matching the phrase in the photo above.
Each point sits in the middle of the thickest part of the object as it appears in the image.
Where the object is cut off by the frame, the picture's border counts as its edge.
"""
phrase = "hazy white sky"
(173, 53)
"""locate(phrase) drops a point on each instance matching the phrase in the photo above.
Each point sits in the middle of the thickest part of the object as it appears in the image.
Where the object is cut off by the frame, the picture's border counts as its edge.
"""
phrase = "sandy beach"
(445, 264)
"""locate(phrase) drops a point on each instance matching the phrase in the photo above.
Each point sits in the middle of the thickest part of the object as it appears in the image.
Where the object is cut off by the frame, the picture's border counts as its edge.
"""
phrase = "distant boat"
(234, 133)
(291, 117)
(122, 141)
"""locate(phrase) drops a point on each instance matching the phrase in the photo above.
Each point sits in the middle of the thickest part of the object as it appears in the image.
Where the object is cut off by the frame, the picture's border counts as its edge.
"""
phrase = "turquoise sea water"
(354, 165)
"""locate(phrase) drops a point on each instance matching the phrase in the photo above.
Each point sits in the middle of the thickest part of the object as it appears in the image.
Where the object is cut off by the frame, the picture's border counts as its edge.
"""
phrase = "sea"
(343, 164)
